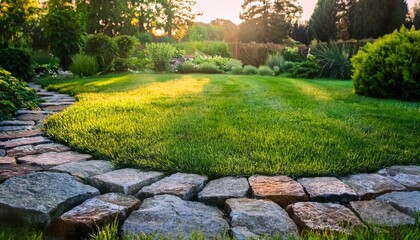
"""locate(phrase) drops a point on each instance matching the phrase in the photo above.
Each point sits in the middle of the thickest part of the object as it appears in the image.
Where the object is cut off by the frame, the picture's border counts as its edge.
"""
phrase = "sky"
(230, 9)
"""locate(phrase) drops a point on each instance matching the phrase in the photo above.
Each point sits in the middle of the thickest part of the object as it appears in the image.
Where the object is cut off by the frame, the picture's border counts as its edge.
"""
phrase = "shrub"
(160, 54)
(254, 53)
(237, 70)
(288, 66)
(276, 70)
(144, 37)
(187, 67)
(212, 48)
(17, 61)
(233, 63)
(207, 67)
(121, 64)
(103, 48)
(265, 71)
(14, 94)
(249, 70)
(126, 45)
(275, 60)
(306, 69)
(219, 61)
(83, 65)
(334, 60)
(44, 63)
(390, 67)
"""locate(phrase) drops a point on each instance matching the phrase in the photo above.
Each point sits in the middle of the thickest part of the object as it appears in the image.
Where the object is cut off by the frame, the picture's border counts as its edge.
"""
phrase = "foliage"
(17, 61)
(187, 67)
(334, 60)
(224, 125)
(121, 64)
(230, 30)
(390, 67)
(323, 20)
(373, 18)
(65, 32)
(275, 60)
(254, 53)
(295, 54)
(83, 65)
(20, 232)
(265, 71)
(301, 33)
(305, 69)
(160, 54)
(416, 15)
(44, 63)
(179, 16)
(14, 94)
(212, 48)
(233, 63)
(268, 21)
(219, 61)
(126, 45)
(144, 37)
(107, 232)
(103, 48)
(208, 67)
(205, 32)
(249, 70)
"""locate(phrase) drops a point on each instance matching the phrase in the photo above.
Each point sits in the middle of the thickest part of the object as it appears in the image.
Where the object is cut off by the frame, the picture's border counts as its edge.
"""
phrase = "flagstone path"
(69, 193)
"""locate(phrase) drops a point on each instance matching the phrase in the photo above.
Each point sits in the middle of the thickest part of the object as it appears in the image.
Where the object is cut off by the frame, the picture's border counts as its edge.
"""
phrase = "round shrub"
(208, 67)
(17, 61)
(121, 64)
(265, 71)
(83, 65)
(103, 48)
(249, 70)
(390, 67)
(275, 60)
(306, 69)
(160, 54)
(126, 45)
(187, 67)
(14, 94)
(236, 70)
(233, 63)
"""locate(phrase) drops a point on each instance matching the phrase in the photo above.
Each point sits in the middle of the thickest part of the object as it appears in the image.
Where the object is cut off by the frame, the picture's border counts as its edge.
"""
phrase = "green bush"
(14, 94)
(254, 53)
(288, 66)
(144, 37)
(265, 71)
(334, 60)
(306, 69)
(212, 48)
(249, 70)
(275, 60)
(233, 63)
(208, 67)
(295, 54)
(43, 62)
(17, 61)
(219, 61)
(103, 48)
(126, 45)
(83, 65)
(160, 54)
(236, 70)
(121, 64)
(390, 67)
(187, 67)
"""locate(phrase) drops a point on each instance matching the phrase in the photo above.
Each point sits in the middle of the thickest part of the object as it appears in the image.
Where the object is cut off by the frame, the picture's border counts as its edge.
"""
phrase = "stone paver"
(85, 169)
(406, 202)
(32, 117)
(15, 134)
(49, 104)
(15, 128)
(171, 216)
(36, 149)
(51, 159)
(2, 153)
(41, 197)
(217, 191)
(15, 170)
(24, 141)
(16, 123)
(328, 189)
(408, 176)
(96, 212)
(281, 189)
(127, 181)
(323, 216)
(22, 112)
(56, 108)
(381, 213)
(7, 160)
(186, 186)
(370, 185)
(259, 217)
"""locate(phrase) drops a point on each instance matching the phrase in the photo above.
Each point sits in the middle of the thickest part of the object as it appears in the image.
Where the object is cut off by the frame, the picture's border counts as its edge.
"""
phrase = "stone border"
(171, 205)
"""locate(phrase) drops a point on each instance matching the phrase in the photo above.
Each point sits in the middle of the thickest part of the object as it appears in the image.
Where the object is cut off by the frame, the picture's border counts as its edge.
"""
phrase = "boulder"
(251, 217)
(409, 176)
(84, 219)
(328, 189)
(36, 149)
(186, 186)
(41, 197)
(171, 216)
(24, 141)
(323, 217)
(85, 169)
(280, 189)
(217, 191)
(127, 181)
(51, 159)
(370, 185)
(380, 213)
(406, 202)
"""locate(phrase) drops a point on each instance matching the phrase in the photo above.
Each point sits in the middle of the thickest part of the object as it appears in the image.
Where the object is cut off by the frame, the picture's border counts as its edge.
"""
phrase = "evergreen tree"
(323, 22)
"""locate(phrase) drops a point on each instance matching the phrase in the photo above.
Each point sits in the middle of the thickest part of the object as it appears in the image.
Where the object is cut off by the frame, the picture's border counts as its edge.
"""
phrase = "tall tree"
(374, 18)
(273, 18)
(146, 13)
(416, 15)
(323, 22)
(178, 16)
(230, 30)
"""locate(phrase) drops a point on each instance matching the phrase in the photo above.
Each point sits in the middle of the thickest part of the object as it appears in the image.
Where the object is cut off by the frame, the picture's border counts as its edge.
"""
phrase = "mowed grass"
(222, 125)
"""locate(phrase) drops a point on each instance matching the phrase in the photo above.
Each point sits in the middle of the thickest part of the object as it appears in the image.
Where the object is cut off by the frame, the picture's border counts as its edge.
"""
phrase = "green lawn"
(235, 125)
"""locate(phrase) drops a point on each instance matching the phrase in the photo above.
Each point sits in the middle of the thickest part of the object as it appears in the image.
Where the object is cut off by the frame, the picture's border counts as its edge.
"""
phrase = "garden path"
(70, 193)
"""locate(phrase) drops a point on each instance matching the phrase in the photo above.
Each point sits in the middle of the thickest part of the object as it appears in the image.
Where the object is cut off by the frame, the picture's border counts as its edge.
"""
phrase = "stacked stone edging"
(47, 183)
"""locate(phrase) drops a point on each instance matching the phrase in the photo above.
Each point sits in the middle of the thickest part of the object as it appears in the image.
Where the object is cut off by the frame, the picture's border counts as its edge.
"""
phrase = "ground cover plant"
(235, 125)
